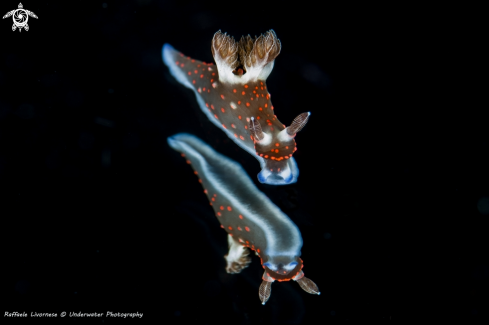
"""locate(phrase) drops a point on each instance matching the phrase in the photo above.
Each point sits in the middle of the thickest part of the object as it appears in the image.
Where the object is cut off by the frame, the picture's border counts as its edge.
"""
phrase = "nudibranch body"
(234, 96)
(248, 216)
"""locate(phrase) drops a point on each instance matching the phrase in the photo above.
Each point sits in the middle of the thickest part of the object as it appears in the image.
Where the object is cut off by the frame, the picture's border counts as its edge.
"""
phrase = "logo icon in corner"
(20, 17)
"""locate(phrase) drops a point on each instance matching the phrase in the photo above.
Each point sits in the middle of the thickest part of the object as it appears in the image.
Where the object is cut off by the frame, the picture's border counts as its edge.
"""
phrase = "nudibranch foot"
(237, 258)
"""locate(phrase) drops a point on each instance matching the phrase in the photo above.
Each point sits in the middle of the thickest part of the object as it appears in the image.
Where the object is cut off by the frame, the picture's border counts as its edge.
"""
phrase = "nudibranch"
(251, 220)
(234, 96)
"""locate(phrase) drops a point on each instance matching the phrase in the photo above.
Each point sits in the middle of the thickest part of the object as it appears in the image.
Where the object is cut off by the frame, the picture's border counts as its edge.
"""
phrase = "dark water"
(99, 214)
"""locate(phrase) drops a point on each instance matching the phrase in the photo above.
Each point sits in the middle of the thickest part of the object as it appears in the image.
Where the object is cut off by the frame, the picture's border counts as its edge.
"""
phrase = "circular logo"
(20, 17)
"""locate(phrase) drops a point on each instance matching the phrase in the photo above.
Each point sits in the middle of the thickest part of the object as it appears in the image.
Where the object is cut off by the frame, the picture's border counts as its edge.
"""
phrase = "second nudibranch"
(248, 216)
(234, 96)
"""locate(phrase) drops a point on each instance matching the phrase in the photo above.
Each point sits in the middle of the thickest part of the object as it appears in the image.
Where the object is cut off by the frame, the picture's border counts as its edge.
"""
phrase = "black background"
(99, 214)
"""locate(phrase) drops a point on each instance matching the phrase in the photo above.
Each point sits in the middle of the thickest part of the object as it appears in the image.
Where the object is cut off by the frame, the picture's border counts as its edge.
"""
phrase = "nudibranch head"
(282, 268)
(276, 146)
(277, 270)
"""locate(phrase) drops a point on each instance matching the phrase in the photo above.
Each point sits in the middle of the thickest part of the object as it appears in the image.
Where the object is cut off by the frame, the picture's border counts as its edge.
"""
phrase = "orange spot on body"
(261, 109)
(195, 71)
(234, 90)
(219, 214)
(182, 65)
(201, 76)
(212, 106)
(216, 116)
(229, 208)
(222, 96)
(239, 102)
(241, 137)
(242, 93)
(239, 116)
(221, 207)
(248, 104)
(224, 126)
(246, 86)
(230, 228)
(222, 109)
(235, 135)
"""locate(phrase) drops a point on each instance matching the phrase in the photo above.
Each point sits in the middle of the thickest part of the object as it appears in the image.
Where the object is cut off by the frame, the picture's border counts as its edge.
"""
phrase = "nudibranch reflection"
(248, 216)
(234, 96)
